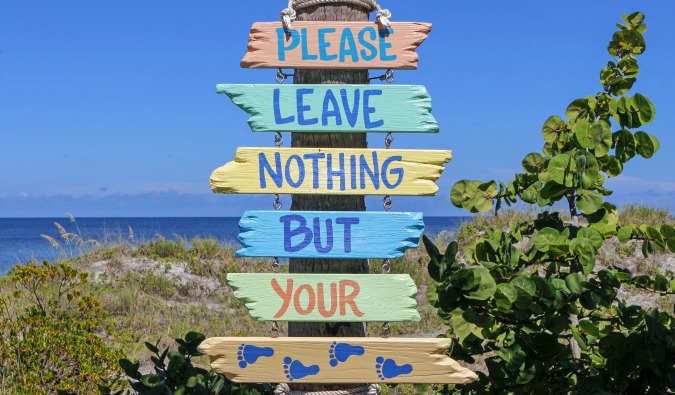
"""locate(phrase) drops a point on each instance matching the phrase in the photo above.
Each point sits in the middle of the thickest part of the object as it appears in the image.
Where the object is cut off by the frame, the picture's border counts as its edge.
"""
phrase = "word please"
(316, 298)
(371, 44)
(353, 172)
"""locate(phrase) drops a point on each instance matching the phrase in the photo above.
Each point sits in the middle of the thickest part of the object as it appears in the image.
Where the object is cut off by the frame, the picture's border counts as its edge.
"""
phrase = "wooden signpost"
(335, 171)
(328, 234)
(334, 108)
(323, 298)
(335, 360)
(327, 297)
(335, 45)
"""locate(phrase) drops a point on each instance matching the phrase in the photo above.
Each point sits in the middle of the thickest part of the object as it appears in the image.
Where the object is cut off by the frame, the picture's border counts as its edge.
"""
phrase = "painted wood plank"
(334, 108)
(331, 171)
(335, 360)
(335, 45)
(300, 297)
(328, 234)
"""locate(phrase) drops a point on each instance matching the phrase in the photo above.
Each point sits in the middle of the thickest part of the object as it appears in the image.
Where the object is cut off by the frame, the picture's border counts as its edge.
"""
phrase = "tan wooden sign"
(335, 45)
(331, 171)
(335, 360)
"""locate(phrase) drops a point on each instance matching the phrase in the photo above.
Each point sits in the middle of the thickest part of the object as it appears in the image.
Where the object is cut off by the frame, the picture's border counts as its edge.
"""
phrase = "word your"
(358, 172)
(330, 108)
(315, 233)
(371, 44)
(316, 298)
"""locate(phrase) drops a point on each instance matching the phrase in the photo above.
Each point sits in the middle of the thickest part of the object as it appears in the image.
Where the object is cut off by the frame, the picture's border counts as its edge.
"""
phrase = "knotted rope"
(373, 389)
(288, 14)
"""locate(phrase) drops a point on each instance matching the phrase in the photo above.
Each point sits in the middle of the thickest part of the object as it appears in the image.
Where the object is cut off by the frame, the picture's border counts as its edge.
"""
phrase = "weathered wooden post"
(327, 298)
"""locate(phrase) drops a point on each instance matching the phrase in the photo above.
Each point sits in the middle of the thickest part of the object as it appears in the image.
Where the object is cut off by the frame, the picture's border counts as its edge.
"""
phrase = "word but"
(314, 233)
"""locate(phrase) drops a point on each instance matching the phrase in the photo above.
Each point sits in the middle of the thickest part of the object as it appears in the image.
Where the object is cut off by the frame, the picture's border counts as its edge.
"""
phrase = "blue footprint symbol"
(339, 352)
(387, 368)
(294, 369)
(249, 354)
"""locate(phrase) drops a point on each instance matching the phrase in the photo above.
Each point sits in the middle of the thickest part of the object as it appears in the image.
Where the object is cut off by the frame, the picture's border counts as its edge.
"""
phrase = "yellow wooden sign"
(331, 171)
(335, 360)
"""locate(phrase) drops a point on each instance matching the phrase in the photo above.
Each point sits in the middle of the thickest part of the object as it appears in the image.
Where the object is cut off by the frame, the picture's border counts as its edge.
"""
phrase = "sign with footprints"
(335, 360)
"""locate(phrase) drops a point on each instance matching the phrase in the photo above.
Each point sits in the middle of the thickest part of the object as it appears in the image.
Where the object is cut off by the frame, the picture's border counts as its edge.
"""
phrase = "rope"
(372, 389)
(288, 14)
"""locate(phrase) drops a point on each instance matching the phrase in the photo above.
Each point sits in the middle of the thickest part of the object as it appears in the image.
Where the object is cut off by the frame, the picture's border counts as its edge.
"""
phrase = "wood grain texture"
(309, 171)
(327, 297)
(335, 360)
(334, 108)
(328, 234)
(335, 45)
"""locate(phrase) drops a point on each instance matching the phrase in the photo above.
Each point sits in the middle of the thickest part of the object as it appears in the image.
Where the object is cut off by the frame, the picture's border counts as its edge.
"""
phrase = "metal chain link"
(387, 203)
(281, 76)
(278, 139)
(277, 202)
(275, 266)
(386, 266)
(388, 139)
(387, 76)
(275, 329)
(386, 330)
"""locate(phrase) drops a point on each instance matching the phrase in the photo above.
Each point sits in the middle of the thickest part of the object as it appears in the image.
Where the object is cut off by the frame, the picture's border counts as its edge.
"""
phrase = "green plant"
(176, 374)
(52, 334)
(542, 315)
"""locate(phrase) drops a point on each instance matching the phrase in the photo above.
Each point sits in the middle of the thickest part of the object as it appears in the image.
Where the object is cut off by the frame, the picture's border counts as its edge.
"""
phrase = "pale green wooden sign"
(334, 108)
(327, 297)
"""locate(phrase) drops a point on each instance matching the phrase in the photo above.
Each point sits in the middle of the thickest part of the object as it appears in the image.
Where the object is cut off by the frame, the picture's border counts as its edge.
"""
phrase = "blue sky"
(109, 108)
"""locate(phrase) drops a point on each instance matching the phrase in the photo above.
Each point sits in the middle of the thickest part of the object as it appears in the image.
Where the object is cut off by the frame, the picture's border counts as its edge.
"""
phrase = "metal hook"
(388, 139)
(277, 202)
(387, 203)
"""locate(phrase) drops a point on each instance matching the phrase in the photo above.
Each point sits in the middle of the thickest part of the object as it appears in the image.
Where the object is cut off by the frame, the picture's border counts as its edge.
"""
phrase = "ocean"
(21, 238)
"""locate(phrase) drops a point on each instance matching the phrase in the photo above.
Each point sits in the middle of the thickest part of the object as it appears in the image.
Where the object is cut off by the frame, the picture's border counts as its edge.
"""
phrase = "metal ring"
(275, 329)
(388, 139)
(275, 266)
(277, 202)
(386, 266)
(389, 76)
(386, 330)
(387, 203)
(278, 139)
(280, 77)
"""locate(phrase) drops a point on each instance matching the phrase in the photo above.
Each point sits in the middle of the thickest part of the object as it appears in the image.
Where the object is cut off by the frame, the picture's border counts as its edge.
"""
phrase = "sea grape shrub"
(175, 373)
(529, 299)
(52, 334)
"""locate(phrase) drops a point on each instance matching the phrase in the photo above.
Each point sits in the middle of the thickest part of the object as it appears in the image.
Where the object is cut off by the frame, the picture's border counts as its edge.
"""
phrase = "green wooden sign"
(327, 297)
(334, 108)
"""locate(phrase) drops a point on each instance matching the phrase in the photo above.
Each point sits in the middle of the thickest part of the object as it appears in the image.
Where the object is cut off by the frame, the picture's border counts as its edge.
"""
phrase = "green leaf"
(553, 128)
(625, 233)
(589, 327)
(486, 287)
(151, 380)
(660, 282)
(613, 167)
(613, 345)
(588, 166)
(580, 340)
(533, 163)
(531, 193)
(625, 145)
(577, 109)
(646, 110)
(593, 235)
(463, 191)
(152, 347)
(647, 144)
(546, 238)
(584, 250)
(559, 169)
(582, 131)
(588, 201)
(505, 295)
(573, 283)
(436, 266)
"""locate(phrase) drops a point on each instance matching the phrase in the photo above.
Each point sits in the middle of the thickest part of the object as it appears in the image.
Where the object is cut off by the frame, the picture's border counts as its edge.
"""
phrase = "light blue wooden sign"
(334, 108)
(328, 234)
